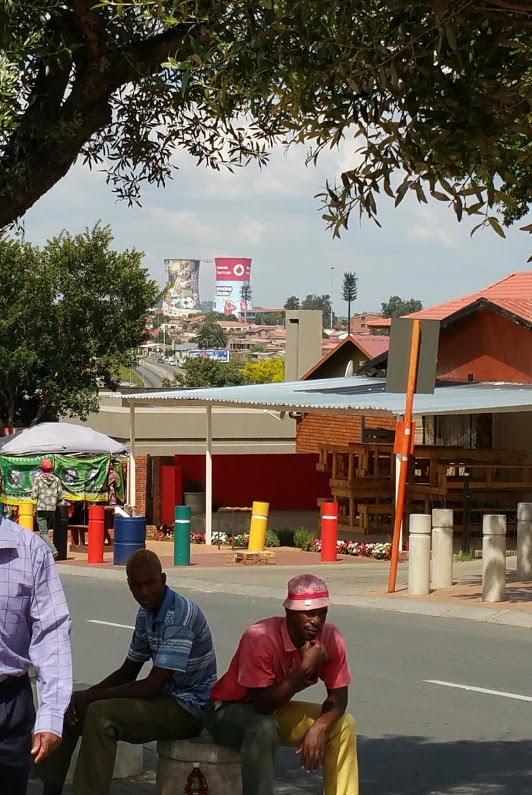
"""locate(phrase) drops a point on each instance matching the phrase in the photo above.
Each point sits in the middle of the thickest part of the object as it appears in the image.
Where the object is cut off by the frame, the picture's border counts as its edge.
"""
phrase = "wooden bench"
(219, 765)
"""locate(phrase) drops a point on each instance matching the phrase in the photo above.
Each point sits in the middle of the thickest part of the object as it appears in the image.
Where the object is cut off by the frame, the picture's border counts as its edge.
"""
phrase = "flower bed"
(370, 549)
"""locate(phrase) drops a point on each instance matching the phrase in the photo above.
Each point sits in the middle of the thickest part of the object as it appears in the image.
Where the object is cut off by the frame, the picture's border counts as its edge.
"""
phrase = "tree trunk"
(348, 318)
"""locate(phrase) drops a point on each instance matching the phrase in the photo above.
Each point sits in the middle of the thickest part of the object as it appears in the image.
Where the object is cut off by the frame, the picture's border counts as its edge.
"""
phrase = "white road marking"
(502, 693)
(108, 623)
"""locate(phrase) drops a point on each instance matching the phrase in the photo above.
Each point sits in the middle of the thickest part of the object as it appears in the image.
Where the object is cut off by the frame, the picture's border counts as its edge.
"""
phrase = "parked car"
(160, 360)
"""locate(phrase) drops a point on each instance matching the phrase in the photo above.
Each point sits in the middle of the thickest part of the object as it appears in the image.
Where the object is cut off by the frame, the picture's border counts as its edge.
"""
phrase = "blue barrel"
(130, 535)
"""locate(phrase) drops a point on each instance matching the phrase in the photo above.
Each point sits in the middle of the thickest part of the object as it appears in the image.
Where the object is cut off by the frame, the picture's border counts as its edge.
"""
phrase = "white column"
(419, 555)
(132, 493)
(208, 478)
(524, 541)
(494, 558)
(442, 548)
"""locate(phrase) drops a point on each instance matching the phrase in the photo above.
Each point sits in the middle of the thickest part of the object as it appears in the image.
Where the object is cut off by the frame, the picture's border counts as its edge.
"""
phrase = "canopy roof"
(59, 437)
(355, 395)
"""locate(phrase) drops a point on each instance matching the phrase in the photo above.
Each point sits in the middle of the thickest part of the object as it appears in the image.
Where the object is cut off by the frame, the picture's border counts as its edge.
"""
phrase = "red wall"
(288, 481)
(488, 345)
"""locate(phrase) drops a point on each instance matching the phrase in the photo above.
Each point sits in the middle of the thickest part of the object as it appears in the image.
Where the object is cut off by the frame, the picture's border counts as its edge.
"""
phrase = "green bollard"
(182, 536)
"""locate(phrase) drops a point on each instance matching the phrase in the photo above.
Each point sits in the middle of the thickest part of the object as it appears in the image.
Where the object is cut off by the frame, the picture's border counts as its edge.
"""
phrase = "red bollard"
(96, 534)
(329, 531)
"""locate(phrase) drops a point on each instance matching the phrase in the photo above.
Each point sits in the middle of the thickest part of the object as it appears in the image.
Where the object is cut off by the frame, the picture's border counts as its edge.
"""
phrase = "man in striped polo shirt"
(168, 704)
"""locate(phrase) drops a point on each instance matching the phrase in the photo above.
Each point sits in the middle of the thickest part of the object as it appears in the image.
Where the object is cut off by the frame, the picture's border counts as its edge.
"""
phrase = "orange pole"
(405, 445)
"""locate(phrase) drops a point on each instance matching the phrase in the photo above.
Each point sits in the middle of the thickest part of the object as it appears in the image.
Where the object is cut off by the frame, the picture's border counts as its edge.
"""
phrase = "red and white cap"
(306, 592)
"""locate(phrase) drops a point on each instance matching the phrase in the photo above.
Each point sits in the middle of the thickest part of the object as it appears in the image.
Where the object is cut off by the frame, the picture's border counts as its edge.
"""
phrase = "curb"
(397, 604)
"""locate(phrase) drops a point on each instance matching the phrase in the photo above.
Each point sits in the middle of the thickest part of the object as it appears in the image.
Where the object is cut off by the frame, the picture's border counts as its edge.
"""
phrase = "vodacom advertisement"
(231, 274)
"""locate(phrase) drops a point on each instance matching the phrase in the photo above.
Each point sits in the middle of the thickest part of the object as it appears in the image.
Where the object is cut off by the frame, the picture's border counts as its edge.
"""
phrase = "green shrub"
(272, 539)
(285, 536)
(302, 538)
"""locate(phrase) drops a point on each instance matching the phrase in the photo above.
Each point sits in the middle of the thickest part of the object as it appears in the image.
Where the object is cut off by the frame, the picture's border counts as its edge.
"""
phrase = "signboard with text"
(231, 274)
(216, 355)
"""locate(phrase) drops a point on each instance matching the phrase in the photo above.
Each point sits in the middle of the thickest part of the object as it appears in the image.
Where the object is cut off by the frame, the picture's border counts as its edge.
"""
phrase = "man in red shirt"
(277, 658)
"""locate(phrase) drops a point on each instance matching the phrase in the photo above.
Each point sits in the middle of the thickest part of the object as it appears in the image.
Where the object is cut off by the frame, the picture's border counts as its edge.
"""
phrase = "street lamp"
(332, 293)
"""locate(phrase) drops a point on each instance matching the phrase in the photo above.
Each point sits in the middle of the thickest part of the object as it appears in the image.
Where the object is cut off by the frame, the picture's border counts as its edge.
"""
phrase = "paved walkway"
(360, 582)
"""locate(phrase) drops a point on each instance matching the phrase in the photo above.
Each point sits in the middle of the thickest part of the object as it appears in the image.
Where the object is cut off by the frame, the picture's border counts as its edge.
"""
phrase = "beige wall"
(303, 341)
(165, 431)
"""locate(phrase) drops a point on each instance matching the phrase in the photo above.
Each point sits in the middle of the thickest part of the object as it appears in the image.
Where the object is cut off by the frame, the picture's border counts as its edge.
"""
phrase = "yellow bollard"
(258, 526)
(25, 515)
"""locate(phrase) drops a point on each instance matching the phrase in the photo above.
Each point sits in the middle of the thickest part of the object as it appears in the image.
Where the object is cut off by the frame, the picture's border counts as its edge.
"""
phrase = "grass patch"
(129, 375)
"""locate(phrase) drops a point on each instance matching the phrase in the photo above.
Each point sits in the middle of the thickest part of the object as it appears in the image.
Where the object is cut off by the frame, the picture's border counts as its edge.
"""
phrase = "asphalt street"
(153, 373)
(415, 736)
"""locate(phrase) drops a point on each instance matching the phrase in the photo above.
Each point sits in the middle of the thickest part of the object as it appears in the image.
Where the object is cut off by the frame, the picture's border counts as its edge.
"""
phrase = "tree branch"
(49, 139)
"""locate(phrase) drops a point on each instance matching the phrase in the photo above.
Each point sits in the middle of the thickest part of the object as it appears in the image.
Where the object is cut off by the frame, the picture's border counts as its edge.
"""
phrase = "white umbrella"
(59, 437)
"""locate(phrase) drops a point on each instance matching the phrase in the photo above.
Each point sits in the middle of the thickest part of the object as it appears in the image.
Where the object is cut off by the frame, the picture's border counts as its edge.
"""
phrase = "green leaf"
(495, 225)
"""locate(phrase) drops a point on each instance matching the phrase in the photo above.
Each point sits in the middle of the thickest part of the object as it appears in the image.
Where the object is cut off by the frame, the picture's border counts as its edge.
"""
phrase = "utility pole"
(332, 293)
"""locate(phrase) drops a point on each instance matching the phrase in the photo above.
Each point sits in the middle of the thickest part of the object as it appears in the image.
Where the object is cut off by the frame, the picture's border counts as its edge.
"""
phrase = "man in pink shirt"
(277, 658)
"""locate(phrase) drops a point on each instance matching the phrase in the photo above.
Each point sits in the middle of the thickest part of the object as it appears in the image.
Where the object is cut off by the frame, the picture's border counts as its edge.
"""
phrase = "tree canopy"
(397, 307)
(70, 315)
(211, 335)
(206, 372)
(437, 94)
(268, 371)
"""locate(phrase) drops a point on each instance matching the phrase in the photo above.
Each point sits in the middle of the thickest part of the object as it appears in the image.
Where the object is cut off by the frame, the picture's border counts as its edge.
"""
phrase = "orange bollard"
(329, 531)
(96, 533)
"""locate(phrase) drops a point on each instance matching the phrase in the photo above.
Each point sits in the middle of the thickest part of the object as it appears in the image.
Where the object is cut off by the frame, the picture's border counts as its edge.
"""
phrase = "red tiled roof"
(361, 341)
(371, 344)
(512, 294)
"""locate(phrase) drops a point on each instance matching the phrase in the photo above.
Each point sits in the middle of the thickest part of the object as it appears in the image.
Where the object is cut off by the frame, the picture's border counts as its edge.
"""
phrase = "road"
(415, 737)
(153, 373)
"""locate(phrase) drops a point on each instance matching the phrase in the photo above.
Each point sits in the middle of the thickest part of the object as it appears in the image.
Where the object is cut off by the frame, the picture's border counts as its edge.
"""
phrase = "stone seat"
(219, 765)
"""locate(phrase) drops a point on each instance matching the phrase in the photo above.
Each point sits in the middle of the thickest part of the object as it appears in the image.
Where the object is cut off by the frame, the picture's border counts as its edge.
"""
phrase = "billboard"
(182, 286)
(219, 356)
(231, 274)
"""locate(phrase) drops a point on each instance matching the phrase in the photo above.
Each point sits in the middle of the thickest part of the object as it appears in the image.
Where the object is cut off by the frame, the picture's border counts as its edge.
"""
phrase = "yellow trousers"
(340, 768)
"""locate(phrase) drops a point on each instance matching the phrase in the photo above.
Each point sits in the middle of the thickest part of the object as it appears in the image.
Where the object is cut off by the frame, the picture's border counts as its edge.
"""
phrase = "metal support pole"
(208, 479)
(132, 494)
(466, 526)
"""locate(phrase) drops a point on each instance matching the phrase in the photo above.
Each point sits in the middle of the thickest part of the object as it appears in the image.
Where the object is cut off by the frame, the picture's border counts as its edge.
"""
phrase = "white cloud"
(250, 230)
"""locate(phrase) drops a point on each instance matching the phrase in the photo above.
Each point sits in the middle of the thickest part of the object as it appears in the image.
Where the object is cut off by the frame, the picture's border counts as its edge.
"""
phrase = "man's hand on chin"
(312, 747)
(43, 745)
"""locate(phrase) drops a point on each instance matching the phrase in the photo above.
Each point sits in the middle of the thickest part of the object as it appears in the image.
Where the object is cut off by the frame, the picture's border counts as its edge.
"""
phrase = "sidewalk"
(353, 581)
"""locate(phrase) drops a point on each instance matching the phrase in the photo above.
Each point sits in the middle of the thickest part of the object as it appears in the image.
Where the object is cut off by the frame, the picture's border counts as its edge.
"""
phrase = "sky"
(271, 215)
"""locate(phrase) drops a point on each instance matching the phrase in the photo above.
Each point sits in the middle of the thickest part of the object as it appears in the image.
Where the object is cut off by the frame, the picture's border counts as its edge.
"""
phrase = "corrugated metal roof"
(356, 395)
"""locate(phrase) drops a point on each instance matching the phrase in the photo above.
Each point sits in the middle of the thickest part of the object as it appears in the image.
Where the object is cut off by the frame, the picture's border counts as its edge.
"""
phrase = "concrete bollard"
(442, 548)
(524, 541)
(419, 555)
(494, 558)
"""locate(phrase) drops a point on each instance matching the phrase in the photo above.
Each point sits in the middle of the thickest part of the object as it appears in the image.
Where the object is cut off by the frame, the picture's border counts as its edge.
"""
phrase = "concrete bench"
(219, 765)
(129, 761)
